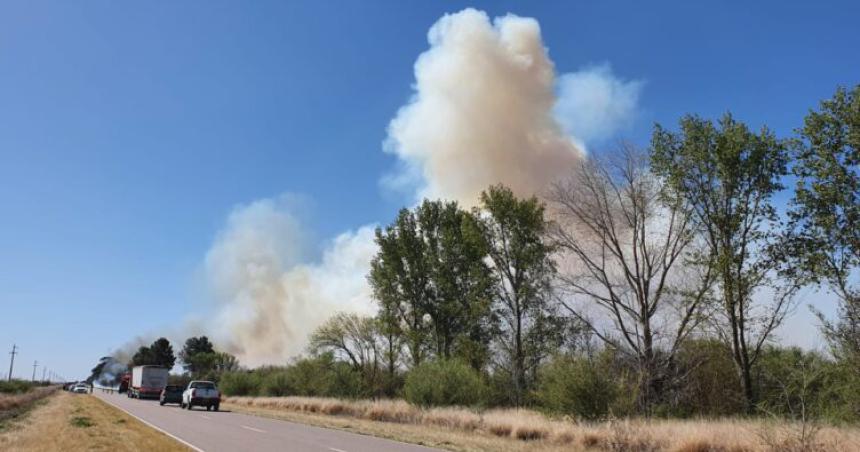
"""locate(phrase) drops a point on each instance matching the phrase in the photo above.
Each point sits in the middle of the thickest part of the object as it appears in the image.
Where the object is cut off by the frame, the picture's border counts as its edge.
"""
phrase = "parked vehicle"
(201, 393)
(147, 381)
(80, 389)
(171, 394)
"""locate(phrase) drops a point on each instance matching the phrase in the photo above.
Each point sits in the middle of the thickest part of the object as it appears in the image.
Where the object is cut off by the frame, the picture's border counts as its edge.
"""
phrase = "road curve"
(211, 431)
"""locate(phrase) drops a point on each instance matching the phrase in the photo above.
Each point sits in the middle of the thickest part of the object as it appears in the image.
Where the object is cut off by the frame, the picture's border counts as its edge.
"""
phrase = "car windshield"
(203, 385)
(173, 388)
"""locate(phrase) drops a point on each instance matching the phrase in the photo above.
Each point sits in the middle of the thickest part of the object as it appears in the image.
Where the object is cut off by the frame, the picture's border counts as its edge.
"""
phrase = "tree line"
(642, 270)
(198, 357)
(649, 282)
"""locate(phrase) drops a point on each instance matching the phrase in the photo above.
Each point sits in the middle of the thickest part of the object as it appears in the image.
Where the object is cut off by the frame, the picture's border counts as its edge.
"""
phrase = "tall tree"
(529, 326)
(193, 347)
(728, 175)
(159, 353)
(162, 353)
(460, 280)
(624, 250)
(401, 282)
(433, 284)
(825, 211)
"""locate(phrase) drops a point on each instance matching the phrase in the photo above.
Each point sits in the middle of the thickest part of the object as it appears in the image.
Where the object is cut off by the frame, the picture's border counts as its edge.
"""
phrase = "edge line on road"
(185, 443)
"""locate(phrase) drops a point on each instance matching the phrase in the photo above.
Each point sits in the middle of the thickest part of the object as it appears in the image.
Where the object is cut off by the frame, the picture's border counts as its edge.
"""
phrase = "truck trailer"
(147, 381)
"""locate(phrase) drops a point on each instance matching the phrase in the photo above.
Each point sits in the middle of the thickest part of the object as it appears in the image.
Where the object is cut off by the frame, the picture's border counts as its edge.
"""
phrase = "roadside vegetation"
(17, 397)
(633, 306)
(78, 422)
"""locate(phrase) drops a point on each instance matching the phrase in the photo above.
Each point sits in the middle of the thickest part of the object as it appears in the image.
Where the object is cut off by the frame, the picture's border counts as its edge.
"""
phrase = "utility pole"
(12, 361)
(35, 364)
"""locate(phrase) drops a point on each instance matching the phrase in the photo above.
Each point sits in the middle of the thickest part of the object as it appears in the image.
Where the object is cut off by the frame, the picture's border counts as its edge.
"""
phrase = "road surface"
(211, 431)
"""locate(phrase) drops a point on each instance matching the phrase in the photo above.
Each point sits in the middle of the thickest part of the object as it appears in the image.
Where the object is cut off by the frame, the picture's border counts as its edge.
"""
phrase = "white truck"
(147, 381)
(201, 393)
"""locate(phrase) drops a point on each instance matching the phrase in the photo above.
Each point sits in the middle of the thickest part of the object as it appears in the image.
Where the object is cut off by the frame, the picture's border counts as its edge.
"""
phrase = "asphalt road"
(211, 431)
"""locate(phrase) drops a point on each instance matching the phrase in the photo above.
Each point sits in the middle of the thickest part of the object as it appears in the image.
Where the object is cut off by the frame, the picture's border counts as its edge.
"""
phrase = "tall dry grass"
(530, 427)
(13, 402)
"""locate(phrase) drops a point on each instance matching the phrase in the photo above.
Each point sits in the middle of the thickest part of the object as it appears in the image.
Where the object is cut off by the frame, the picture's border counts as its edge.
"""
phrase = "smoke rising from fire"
(270, 297)
(483, 112)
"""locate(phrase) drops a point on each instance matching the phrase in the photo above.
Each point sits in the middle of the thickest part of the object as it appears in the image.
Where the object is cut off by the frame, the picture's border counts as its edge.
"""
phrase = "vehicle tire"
(208, 407)
(161, 402)
(217, 406)
(190, 406)
(182, 405)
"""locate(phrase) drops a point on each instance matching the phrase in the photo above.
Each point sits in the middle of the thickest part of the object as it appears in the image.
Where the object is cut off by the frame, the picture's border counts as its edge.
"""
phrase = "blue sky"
(128, 132)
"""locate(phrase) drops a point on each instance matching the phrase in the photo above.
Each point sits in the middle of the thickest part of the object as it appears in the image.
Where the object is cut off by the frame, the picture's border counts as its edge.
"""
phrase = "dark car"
(171, 394)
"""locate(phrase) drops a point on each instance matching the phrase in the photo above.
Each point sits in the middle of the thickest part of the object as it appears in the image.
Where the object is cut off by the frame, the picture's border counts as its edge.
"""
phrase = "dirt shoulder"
(77, 422)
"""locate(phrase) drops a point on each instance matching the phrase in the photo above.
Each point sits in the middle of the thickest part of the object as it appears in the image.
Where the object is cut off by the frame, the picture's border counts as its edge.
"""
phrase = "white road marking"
(205, 416)
(335, 449)
(253, 429)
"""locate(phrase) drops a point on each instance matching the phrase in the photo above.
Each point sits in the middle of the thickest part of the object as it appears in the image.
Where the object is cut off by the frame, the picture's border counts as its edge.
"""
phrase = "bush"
(15, 386)
(441, 382)
(709, 384)
(240, 383)
(276, 383)
(577, 386)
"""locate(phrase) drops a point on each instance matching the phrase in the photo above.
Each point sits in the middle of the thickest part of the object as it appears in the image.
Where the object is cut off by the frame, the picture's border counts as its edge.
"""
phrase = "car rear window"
(203, 385)
(172, 388)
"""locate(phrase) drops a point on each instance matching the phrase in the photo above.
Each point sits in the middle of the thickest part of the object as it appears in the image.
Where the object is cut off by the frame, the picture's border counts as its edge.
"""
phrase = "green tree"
(401, 282)
(432, 283)
(530, 328)
(825, 212)
(728, 175)
(193, 347)
(461, 282)
(159, 353)
(162, 353)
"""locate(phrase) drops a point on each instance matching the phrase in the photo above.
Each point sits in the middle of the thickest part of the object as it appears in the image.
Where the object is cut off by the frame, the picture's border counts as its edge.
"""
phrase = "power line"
(12, 361)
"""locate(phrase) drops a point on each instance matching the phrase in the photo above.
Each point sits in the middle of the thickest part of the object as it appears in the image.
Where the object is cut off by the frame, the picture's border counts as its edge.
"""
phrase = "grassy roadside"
(415, 434)
(74, 422)
(520, 430)
(15, 406)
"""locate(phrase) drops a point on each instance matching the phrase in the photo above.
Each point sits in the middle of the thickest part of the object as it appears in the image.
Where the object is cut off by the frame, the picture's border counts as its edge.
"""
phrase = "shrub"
(240, 383)
(276, 383)
(441, 382)
(15, 386)
(576, 386)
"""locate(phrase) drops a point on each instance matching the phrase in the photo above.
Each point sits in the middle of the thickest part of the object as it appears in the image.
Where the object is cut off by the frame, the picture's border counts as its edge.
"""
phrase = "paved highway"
(211, 431)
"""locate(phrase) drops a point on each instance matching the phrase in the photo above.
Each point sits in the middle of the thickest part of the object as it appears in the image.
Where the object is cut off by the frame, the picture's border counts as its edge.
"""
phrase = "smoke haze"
(270, 297)
(483, 112)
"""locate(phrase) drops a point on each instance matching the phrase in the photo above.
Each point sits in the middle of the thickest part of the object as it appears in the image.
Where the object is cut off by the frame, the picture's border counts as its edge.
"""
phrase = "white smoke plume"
(482, 113)
(594, 105)
(270, 297)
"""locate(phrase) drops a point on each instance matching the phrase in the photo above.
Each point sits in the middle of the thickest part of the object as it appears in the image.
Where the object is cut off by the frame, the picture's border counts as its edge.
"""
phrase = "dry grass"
(74, 422)
(13, 406)
(514, 430)
(10, 402)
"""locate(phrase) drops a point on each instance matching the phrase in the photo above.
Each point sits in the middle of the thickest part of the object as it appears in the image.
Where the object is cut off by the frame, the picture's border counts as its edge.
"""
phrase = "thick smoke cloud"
(271, 298)
(482, 113)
